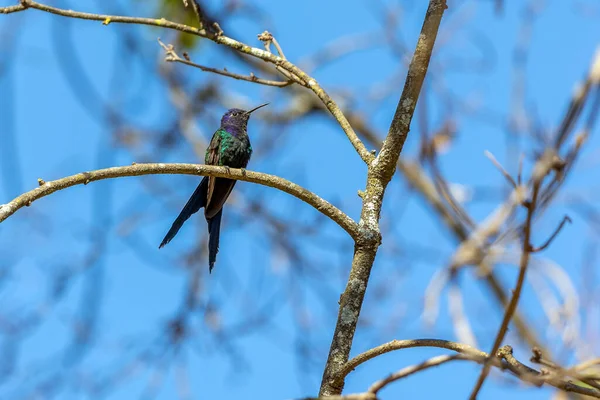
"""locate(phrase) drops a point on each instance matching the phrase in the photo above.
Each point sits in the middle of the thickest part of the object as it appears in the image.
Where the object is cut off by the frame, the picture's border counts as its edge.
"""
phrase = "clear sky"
(92, 251)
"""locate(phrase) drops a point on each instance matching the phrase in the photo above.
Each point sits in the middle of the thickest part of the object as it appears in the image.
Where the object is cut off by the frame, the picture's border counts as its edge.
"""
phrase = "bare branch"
(307, 80)
(501, 168)
(473, 250)
(542, 167)
(404, 372)
(172, 56)
(504, 360)
(267, 38)
(417, 70)
(551, 238)
(406, 344)
(379, 174)
(417, 178)
(578, 99)
(561, 372)
(12, 9)
(49, 187)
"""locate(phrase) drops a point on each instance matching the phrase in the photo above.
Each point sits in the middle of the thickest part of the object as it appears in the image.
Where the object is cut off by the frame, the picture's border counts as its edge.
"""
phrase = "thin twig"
(594, 362)
(561, 372)
(267, 38)
(404, 372)
(542, 167)
(473, 250)
(512, 305)
(278, 47)
(501, 169)
(172, 56)
(551, 238)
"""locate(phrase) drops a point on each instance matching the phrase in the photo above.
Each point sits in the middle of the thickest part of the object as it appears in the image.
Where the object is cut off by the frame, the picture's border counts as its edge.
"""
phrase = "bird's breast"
(237, 153)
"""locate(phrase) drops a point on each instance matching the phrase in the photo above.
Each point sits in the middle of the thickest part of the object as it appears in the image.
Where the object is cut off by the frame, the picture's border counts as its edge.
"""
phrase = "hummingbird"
(229, 147)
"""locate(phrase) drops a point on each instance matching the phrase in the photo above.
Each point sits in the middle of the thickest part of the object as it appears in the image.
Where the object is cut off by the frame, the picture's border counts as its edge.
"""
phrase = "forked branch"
(280, 62)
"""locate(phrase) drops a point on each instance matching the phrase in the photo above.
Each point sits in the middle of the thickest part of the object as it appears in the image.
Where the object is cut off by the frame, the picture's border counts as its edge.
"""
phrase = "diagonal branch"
(307, 81)
(547, 162)
(417, 71)
(47, 188)
(404, 372)
(417, 178)
(379, 174)
(172, 56)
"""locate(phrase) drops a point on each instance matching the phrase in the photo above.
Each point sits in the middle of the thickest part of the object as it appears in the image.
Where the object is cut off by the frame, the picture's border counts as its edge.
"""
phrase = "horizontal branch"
(47, 188)
(12, 9)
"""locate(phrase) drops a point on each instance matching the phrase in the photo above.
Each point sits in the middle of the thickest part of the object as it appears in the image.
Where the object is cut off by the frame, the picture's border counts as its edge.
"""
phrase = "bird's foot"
(243, 171)
(227, 169)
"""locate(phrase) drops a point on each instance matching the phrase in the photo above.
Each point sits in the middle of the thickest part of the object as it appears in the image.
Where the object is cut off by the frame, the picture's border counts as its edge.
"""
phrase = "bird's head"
(237, 117)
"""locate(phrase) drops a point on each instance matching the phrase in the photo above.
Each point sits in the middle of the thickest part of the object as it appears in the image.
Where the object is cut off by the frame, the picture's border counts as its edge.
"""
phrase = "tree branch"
(172, 56)
(47, 188)
(417, 179)
(543, 166)
(12, 9)
(306, 80)
(379, 174)
(398, 132)
(504, 361)
(404, 372)
(407, 344)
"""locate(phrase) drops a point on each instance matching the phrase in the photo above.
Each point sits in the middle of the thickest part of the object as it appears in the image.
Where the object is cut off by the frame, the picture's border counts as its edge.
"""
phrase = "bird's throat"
(235, 130)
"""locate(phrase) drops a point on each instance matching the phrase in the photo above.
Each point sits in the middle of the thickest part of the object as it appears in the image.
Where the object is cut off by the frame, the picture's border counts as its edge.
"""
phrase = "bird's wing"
(220, 192)
(213, 157)
(218, 188)
(213, 153)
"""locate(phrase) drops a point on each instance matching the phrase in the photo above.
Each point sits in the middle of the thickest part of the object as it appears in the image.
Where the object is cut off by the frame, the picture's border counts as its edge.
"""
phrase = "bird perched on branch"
(229, 147)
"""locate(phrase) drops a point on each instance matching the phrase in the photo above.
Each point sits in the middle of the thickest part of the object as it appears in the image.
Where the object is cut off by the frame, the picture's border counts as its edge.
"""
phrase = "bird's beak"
(256, 108)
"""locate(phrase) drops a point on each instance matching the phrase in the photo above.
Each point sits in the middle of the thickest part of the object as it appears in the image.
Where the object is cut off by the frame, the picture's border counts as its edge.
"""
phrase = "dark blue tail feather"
(214, 230)
(196, 202)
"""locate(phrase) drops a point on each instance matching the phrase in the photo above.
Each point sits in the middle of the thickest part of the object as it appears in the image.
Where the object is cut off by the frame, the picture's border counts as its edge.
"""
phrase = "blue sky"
(56, 77)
